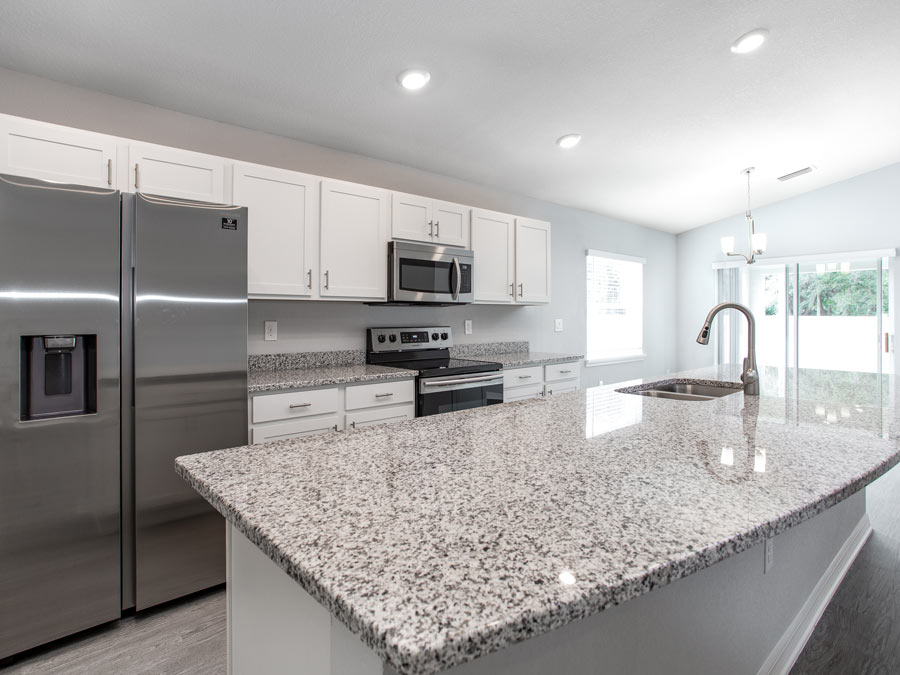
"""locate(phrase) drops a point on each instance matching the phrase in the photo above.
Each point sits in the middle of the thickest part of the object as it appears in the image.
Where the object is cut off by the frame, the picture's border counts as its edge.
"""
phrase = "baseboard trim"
(788, 649)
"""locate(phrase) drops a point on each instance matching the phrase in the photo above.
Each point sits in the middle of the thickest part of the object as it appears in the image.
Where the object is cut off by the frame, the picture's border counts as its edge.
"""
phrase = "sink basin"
(684, 390)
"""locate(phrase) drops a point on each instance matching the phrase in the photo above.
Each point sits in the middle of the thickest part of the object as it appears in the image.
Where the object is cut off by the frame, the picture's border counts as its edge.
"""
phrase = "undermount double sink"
(685, 390)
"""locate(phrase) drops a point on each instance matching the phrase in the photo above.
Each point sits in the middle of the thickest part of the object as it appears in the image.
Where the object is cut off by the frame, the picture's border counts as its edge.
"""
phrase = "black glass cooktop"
(446, 366)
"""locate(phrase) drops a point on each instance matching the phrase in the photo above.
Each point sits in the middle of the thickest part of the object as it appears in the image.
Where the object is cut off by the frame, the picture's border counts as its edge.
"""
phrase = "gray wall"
(859, 214)
(333, 325)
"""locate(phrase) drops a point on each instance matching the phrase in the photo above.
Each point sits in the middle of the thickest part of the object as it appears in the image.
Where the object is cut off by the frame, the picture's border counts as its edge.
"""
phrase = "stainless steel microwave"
(429, 274)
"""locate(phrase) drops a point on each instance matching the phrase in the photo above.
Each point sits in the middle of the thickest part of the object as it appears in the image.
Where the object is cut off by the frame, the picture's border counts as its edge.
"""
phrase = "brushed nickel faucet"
(750, 377)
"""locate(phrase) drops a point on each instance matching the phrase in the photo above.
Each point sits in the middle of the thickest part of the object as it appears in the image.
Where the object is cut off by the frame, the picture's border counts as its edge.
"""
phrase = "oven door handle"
(463, 380)
(455, 293)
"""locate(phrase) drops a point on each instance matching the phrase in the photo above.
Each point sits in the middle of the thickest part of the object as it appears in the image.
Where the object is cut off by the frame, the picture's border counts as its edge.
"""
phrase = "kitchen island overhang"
(444, 539)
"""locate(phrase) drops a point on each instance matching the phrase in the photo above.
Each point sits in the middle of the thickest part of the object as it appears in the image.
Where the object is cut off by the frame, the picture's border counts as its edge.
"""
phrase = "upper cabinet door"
(281, 231)
(353, 241)
(532, 261)
(492, 241)
(158, 170)
(411, 217)
(451, 224)
(60, 154)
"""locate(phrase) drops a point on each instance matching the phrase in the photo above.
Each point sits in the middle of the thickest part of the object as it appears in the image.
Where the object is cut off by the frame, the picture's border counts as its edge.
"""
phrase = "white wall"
(331, 325)
(859, 214)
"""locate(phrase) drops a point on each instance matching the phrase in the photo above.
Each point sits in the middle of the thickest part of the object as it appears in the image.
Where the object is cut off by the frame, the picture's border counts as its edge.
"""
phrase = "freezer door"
(190, 363)
(59, 476)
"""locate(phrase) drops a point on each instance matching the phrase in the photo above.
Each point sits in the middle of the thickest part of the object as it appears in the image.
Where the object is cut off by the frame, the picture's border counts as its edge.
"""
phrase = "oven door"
(458, 392)
(424, 273)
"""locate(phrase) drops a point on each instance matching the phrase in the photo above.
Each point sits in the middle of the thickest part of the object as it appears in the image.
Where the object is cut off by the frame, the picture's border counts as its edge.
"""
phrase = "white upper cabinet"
(353, 234)
(429, 220)
(493, 240)
(158, 170)
(532, 261)
(54, 153)
(281, 234)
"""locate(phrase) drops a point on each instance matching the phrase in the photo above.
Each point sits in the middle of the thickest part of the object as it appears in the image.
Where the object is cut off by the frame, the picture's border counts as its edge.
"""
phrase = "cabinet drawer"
(380, 393)
(294, 404)
(562, 371)
(294, 428)
(554, 388)
(367, 418)
(521, 393)
(517, 377)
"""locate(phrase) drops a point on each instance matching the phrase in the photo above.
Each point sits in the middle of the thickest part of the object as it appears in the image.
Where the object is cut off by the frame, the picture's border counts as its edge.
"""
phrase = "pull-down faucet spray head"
(703, 337)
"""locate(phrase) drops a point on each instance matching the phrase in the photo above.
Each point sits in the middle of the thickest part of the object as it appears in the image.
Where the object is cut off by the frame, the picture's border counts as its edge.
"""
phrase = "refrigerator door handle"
(171, 201)
(79, 189)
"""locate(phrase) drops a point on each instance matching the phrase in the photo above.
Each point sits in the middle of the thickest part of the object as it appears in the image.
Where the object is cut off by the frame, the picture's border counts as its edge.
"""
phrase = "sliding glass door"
(824, 313)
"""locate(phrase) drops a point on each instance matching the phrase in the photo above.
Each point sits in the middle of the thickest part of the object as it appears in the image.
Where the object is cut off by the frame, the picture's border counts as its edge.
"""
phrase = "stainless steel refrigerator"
(123, 327)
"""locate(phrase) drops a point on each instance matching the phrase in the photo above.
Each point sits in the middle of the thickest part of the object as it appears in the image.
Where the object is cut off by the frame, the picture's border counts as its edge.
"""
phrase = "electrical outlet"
(468, 326)
(271, 330)
(770, 554)
(557, 325)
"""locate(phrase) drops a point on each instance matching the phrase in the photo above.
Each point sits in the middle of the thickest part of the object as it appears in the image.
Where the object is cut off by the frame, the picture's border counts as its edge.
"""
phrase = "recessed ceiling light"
(413, 80)
(568, 141)
(750, 41)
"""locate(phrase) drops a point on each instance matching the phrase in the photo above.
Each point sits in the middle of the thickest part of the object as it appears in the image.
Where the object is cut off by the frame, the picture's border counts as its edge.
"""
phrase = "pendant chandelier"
(757, 240)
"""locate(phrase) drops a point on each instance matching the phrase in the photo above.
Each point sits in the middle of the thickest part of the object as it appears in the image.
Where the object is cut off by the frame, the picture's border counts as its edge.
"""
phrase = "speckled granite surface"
(475, 350)
(274, 380)
(444, 538)
(521, 359)
(300, 360)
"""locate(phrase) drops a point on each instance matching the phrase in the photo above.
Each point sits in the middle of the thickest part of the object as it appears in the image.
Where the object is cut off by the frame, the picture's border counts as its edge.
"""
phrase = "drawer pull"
(524, 377)
(299, 405)
(564, 372)
(390, 393)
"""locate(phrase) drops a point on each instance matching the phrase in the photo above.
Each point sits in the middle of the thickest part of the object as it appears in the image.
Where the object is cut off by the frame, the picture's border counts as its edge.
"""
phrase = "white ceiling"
(669, 115)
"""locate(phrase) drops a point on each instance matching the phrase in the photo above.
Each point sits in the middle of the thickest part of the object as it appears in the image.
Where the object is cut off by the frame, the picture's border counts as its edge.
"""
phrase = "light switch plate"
(271, 330)
(557, 325)
(468, 326)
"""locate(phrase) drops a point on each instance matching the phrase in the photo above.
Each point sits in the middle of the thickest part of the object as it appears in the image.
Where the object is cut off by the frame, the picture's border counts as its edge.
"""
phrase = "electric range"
(443, 383)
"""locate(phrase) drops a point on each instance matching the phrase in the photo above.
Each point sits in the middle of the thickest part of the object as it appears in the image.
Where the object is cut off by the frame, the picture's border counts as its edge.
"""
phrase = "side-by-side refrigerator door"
(59, 410)
(190, 364)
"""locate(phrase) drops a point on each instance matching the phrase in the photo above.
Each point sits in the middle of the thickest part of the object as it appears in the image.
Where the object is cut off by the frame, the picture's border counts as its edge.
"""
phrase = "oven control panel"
(406, 339)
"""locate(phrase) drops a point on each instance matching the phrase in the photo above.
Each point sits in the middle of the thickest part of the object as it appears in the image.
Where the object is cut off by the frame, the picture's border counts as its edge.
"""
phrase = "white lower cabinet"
(536, 381)
(303, 412)
(367, 418)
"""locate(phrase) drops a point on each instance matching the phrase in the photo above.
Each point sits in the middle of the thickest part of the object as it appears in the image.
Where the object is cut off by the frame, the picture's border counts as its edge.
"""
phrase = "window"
(615, 307)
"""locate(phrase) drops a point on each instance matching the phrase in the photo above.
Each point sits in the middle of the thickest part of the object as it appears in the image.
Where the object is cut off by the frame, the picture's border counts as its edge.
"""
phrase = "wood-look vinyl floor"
(859, 632)
(182, 637)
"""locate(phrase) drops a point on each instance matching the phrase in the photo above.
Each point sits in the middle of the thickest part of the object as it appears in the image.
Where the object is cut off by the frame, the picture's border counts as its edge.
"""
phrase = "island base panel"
(731, 617)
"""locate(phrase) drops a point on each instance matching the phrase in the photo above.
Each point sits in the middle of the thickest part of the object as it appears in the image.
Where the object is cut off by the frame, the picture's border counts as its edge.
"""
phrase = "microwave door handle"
(458, 284)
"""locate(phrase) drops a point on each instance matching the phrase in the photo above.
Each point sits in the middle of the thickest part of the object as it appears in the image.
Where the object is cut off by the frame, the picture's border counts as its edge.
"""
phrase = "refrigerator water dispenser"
(58, 376)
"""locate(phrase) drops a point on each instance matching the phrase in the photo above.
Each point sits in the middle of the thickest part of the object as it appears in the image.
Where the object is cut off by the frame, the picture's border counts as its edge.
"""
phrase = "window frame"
(637, 354)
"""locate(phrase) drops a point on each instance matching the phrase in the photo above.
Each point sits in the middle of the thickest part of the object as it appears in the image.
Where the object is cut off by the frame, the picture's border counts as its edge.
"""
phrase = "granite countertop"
(519, 359)
(297, 378)
(444, 538)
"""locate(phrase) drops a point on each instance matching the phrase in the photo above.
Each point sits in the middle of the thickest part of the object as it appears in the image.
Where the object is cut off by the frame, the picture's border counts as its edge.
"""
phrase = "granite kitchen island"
(526, 537)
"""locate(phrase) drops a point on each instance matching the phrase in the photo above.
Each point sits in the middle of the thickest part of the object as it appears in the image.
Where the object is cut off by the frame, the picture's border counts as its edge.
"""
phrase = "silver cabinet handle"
(390, 393)
(326, 280)
(309, 279)
(563, 372)
(137, 176)
(521, 289)
(335, 427)
(512, 290)
(524, 377)
(431, 228)
(352, 424)
(299, 405)
(437, 229)
(109, 172)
